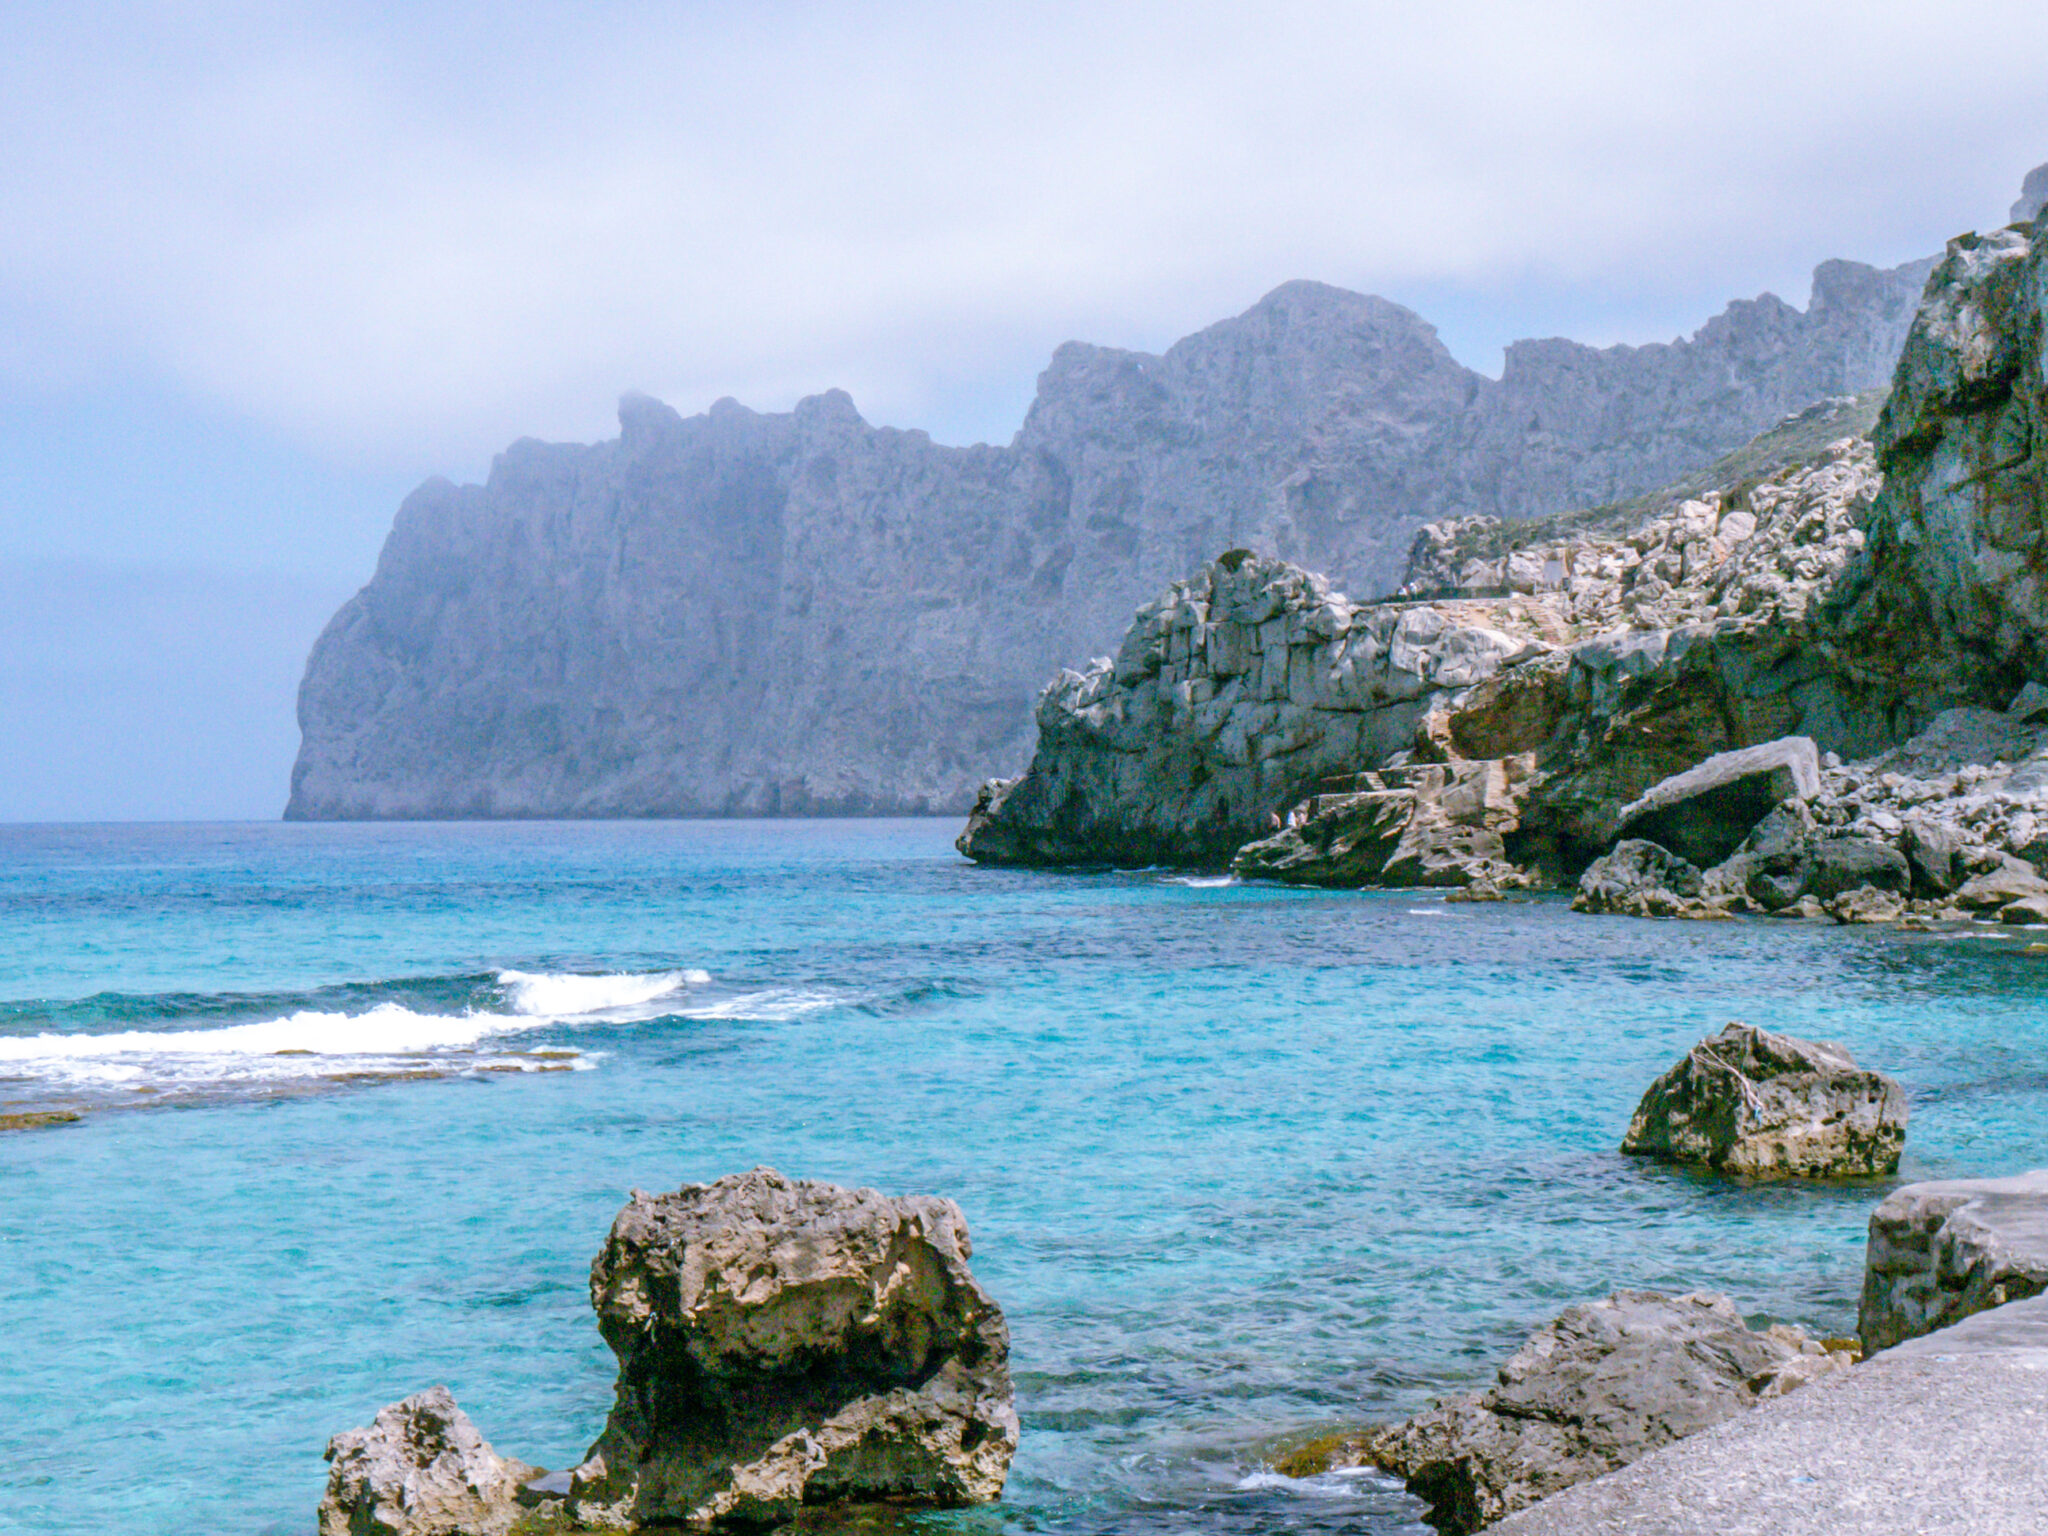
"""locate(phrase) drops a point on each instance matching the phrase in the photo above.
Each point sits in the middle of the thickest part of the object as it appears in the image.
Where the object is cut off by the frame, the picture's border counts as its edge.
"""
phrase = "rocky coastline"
(1812, 681)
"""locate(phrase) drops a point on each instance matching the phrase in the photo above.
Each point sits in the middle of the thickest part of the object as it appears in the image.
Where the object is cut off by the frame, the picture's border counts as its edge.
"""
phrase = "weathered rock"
(1597, 1388)
(1947, 598)
(420, 1469)
(1943, 1250)
(1232, 697)
(1427, 824)
(2010, 880)
(1705, 813)
(783, 1343)
(1770, 1106)
(1781, 872)
(1867, 904)
(1640, 879)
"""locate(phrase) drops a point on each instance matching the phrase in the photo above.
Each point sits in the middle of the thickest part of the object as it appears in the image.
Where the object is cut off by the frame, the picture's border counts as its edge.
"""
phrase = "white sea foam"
(1338, 1483)
(386, 1030)
(567, 996)
(389, 1039)
(1201, 882)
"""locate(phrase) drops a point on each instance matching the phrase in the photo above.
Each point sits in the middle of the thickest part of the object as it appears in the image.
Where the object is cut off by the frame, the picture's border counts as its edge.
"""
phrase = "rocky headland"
(1811, 680)
(803, 613)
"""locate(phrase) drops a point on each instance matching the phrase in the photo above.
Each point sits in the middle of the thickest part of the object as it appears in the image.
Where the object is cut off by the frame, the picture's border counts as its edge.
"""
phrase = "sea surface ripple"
(1241, 1163)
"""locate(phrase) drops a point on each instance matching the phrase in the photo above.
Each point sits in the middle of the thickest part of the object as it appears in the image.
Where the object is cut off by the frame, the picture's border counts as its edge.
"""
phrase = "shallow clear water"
(1240, 1162)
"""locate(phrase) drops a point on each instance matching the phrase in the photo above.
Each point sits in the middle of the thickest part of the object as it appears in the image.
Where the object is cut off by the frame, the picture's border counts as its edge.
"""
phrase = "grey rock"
(2012, 880)
(1940, 1251)
(805, 614)
(784, 1343)
(1232, 698)
(1945, 598)
(2033, 196)
(1936, 1438)
(1932, 852)
(1426, 824)
(419, 1469)
(1822, 867)
(1597, 1388)
(1771, 1106)
(1640, 879)
(1706, 812)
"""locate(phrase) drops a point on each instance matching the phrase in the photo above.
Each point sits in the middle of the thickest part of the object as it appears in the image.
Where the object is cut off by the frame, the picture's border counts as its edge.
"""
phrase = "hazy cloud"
(406, 242)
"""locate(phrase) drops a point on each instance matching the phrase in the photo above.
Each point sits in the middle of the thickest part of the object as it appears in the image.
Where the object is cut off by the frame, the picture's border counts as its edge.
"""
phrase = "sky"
(265, 268)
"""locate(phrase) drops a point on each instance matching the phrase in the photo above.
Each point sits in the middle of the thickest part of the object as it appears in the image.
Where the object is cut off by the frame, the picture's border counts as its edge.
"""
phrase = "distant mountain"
(803, 614)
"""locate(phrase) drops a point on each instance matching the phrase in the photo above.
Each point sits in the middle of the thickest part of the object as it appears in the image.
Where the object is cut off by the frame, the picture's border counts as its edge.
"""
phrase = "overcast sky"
(262, 268)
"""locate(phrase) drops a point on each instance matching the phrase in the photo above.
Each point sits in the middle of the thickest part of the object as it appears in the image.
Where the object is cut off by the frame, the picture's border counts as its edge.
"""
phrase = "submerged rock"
(1594, 1390)
(784, 1343)
(420, 1469)
(1943, 1250)
(1771, 1106)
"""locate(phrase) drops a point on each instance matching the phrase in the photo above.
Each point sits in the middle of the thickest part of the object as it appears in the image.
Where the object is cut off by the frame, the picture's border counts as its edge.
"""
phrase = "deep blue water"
(1240, 1162)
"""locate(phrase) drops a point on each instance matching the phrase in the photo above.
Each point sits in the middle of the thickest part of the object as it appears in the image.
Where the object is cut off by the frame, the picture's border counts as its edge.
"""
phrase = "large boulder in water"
(784, 1343)
(1943, 1250)
(1770, 1106)
(1594, 1390)
(419, 1469)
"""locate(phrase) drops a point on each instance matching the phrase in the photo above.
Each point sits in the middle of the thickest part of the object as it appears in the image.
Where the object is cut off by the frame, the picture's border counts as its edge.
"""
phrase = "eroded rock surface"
(783, 1343)
(420, 1468)
(1639, 879)
(1763, 1105)
(1427, 824)
(1943, 1250)
(1705, 813)
(1594, 1390)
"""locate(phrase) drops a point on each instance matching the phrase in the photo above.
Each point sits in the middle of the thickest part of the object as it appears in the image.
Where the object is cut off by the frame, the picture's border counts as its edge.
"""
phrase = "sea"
(1243, 1164)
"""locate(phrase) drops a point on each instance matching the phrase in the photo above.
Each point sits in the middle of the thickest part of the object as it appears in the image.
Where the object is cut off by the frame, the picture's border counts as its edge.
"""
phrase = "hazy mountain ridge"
(742, 613)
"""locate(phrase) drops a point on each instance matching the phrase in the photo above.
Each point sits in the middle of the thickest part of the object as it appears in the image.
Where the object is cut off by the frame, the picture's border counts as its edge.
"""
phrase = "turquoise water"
(1240, 1162)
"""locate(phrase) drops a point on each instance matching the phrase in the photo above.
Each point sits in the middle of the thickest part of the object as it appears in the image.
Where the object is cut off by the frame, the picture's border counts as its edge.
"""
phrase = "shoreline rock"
(1596, 1388)
(1942, 1251)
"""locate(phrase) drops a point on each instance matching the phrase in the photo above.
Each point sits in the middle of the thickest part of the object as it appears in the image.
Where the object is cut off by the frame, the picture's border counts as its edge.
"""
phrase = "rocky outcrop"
(784, 1343)
(1232, 697)
(1243, 692)
(1949, 596)
(1705, 813)
(1940, 1251)
(801, 613)
(1428, 824)
(420, 1469)
(1594, 1390)
(1639, 879)
(1770, 1106)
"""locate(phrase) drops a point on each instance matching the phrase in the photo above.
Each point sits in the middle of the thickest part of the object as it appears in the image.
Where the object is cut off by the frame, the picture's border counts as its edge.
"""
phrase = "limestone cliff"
(782, 614)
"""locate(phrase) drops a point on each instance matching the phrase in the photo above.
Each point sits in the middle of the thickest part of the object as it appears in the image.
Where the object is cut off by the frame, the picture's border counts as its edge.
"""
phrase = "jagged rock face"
(1236, 695)
(1231, 697)
(419, 1469)
(783, 1343)
(784, 614)
(1429, 824)
(1760, 1105)
(1940, 1251)
(1951, 595)
(1596, 1389)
